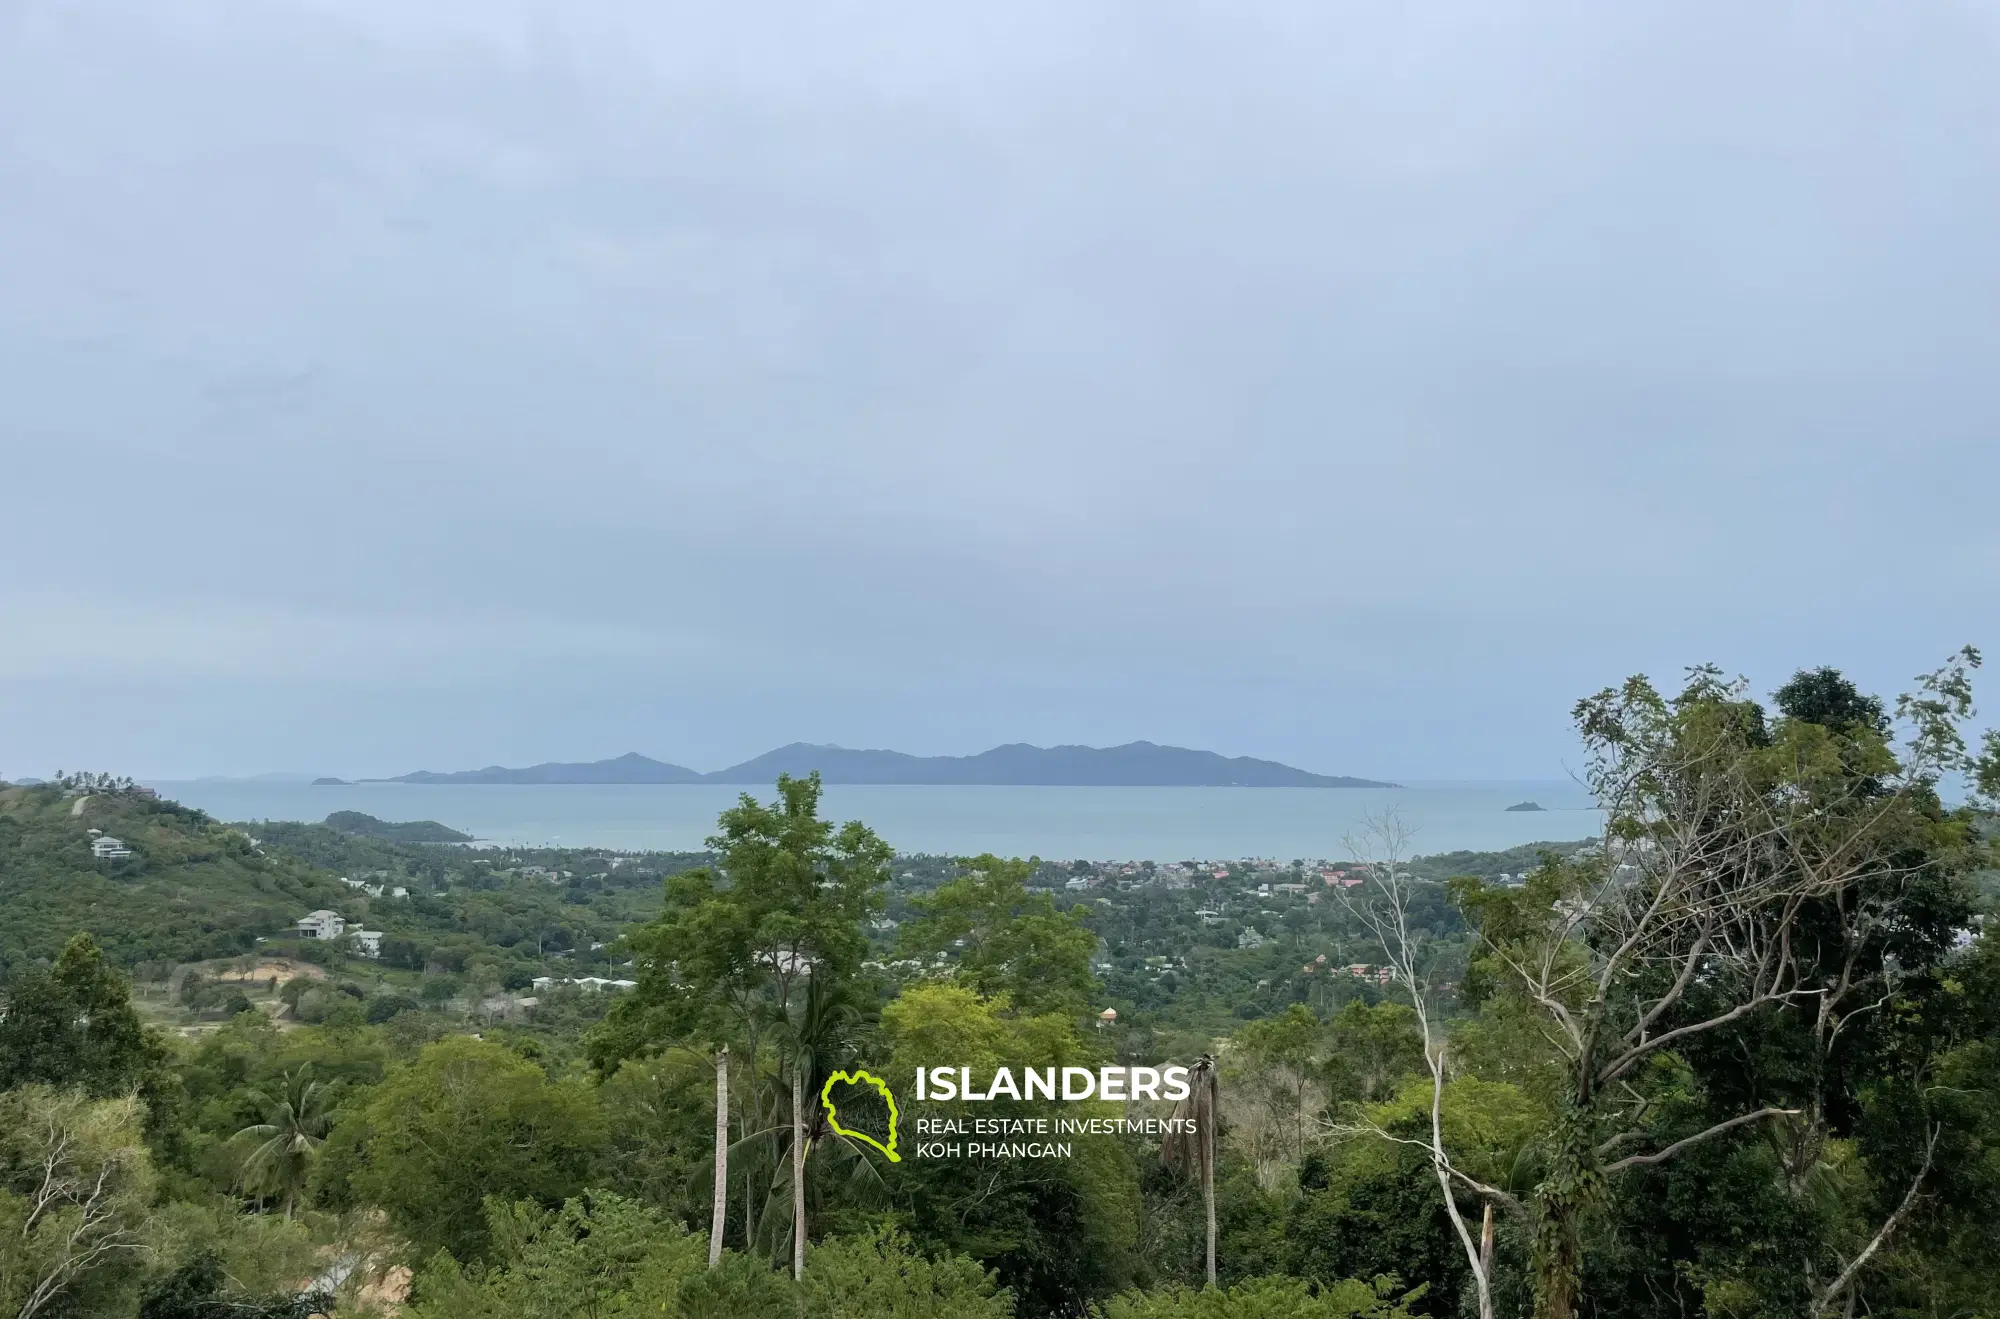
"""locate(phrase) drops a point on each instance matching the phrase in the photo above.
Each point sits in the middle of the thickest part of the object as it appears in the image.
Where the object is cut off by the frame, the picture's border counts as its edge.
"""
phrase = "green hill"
(408, 831)
(190, 888)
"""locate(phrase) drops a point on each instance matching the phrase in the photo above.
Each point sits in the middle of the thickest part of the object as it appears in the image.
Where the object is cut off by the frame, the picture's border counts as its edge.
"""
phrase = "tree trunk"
(1208, 1198)
(1572, 1185)
(1208, 1174)
(798, 1173)
(721, 1157)
(1559, 1271)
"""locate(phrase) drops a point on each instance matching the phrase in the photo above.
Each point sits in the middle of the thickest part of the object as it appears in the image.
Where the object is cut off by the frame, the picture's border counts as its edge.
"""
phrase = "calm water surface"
(1160, 824)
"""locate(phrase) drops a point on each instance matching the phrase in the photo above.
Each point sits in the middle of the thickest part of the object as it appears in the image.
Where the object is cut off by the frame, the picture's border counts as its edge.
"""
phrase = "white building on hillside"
(105, 848)
(367, 942)
(589, 984)
(321, 924)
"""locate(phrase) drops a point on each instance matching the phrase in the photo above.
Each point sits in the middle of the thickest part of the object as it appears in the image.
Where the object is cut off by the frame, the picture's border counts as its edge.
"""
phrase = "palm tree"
(287, 1140)
(817, 1033)
(821, 1033)
(1190, 1145)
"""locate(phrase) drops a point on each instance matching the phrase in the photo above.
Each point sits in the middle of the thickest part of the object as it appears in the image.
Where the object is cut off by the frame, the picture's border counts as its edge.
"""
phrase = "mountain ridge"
(1013, 764)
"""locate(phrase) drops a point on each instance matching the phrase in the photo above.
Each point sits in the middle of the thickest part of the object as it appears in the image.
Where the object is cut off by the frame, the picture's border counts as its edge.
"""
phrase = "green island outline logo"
(833, 1120)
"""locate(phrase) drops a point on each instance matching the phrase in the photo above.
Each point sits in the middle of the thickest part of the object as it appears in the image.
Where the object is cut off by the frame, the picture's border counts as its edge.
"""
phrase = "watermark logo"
(833, 1119)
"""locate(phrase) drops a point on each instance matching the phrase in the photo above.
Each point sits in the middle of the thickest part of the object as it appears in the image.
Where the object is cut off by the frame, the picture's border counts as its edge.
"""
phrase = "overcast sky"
(387, 385)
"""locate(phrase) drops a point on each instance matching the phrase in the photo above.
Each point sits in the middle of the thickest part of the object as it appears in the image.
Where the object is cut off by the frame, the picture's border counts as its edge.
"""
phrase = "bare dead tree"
(85, 1188)
(1845, 1280)
(1383, 909)
(1720, 839)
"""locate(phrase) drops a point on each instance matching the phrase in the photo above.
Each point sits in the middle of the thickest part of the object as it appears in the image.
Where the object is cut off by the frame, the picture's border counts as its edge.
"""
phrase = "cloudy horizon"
(505, 382)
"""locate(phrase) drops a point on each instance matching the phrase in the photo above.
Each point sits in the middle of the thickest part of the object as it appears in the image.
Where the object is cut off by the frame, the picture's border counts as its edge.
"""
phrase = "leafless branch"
(1882, 1234)
(1661, 1156)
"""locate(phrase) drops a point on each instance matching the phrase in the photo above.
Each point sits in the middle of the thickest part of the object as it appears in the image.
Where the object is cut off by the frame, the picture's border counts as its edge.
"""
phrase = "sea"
(1054, 823)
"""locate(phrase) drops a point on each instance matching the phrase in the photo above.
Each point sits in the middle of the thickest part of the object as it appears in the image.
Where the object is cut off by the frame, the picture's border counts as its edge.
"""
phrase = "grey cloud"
(1345, 383)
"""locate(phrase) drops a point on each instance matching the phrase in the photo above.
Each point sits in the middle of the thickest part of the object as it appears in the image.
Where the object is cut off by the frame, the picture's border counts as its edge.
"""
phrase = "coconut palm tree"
(285, 1143)
(820, 1035)
(1190, 1142)
(817, 1034)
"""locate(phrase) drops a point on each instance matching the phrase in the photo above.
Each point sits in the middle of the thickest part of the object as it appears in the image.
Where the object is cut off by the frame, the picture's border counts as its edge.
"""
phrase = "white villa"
(104, 848)
(321, 924)
(590, 984)
(369, 942)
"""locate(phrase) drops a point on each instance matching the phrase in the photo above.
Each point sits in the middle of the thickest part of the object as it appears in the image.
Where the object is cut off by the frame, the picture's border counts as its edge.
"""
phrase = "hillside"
(1133, 765)
(409, 831)
(191, 887)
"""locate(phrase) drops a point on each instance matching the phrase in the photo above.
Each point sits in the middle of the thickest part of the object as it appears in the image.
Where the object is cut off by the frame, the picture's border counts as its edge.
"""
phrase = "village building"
(321, 924)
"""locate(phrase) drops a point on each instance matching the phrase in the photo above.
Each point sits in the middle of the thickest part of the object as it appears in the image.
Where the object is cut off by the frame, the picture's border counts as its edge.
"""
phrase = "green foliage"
(465, 1121)
(601, 1256)
(1054, 1230)
(200, 1289)
(408, 831)
(1002, 939)
(73, 1025)
(879, 1275)
(596, 1256)
(1264, 1298)
(282, 1147)
(732, 948)
(477, 1154)
(75, 1185)
(1276, 1061)
(191, 889)
(660, 1113)
(1370, 1050)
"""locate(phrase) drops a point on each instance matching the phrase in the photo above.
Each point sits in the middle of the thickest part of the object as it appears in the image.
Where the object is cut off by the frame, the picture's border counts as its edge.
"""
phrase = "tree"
(1004, 939)
(1748, 865)
(732, 953)
(1262, 1298)
(1385, 908)
(1370, 1049)
(1053, 1230)
(466, 1120)
(200, 1289)
(74, 1025)
(594, 1256)
(1280, 1053)
(75, 1187)
(285, 1143)
(880, 1274)
(820, 1035)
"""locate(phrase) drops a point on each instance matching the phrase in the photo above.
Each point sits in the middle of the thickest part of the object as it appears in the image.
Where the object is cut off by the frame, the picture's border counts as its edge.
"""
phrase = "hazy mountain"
(628, 768)
(1134, 765)
(275, 776)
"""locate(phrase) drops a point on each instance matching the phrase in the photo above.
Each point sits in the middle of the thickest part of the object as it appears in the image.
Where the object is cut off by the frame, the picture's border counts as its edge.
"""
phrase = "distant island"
(1133, 765)
(1527, 806)
(629, 768)
(409, 831)
(330, 782)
